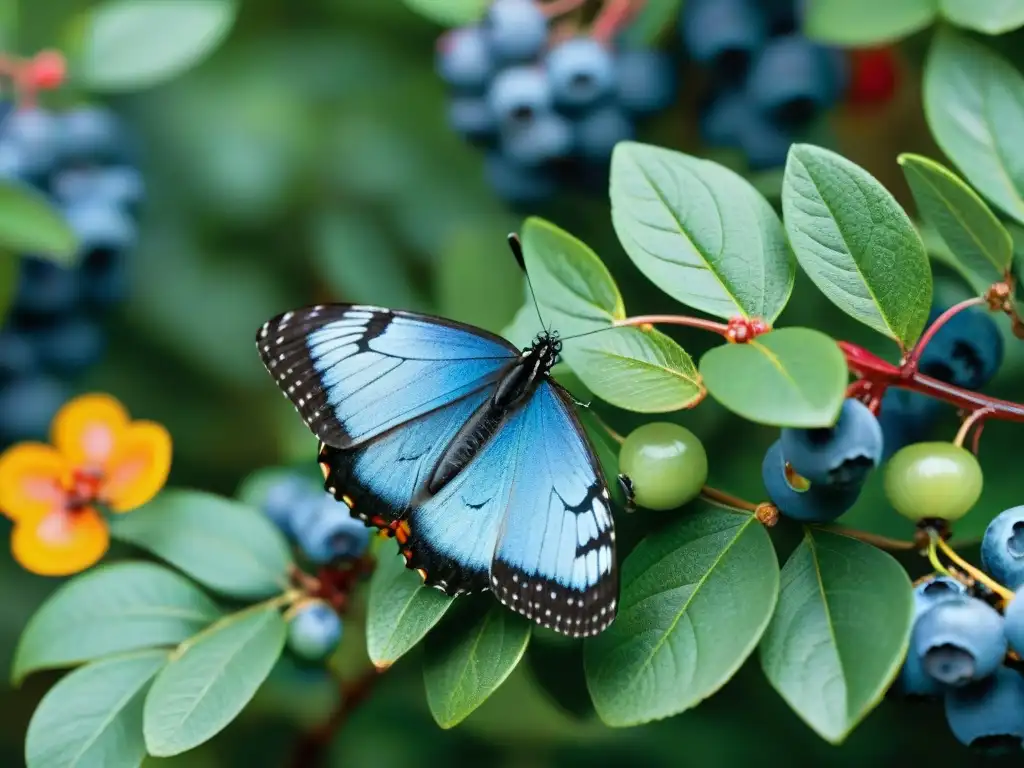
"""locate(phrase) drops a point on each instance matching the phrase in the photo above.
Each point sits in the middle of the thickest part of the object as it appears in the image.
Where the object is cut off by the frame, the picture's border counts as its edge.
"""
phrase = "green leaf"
(226, 545)
(856, 243)
(465, 665)
(973, 233)
(210, 679)
(840, 631)
(974, 102)
(111, 609)
(994, 17)
(401, 610)
(700, 232)
(92, 718)
(9, 268)
(134, 44)
(654, 18)
(477, 283)
(696, 598)
(792, 377)
(450, 13)
(30, 224)
(867, 22)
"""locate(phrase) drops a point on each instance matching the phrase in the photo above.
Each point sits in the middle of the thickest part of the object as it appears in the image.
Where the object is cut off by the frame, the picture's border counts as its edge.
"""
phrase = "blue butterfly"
(461, 446)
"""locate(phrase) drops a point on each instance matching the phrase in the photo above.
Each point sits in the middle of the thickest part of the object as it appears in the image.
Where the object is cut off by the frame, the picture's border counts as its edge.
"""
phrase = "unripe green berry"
(667, 464)
(933, 480)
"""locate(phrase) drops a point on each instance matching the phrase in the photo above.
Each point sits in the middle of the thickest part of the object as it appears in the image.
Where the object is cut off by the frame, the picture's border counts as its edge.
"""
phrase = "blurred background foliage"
(309, 160)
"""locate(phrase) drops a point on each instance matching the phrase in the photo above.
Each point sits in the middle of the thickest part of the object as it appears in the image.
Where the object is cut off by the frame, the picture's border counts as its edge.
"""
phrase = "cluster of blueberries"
(325, 532)
(768, 83)
(81, 161)
(967, 652)
(546, 111)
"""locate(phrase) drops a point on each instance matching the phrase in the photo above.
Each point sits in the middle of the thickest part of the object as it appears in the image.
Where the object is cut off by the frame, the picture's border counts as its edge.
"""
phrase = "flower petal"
(60, 543)
(87, 429)
(138, 468)
(33, 479)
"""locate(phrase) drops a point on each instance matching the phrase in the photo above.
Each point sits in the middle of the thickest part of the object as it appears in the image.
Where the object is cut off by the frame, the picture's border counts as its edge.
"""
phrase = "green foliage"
(475, 276)
(696, 597)
(466, 661)
(92, 718)
(29, 223)
(450, 13)
(9, 269)
(228, 546)
(868, 22)
(133, 44)
(109, 610)
(210, 678)
(655, 19)
(700, 232)
(839, 633)
(401, 610)
(792, 377)
(974, 235)
(992, 18)
(856, 243)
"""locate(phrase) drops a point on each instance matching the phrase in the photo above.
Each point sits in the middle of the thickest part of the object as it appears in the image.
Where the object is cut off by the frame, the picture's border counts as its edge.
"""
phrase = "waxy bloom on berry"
(99, 461)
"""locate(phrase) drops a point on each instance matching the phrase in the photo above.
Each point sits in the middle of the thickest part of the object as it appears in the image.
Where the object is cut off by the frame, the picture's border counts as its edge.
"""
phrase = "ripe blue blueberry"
(34, 135)
(518, 95)
(547, 137)
(599, 131)
(472, 118)
(70, 345)
(913, 680)
(582, 72)
(91, 135)
(104, 278)
(959, 641)
(988, 715)
(1002, 548)
(120, 186)
(966, 351)
(793, 79)
(516, 183)
(45, 288)
(517, 30)
(798, 500)
(841, 454)
(464, 59)
(326, 531)
(314, 631)
(100, 226)
(645, 80)
(905, 417)
(723, 119)
(286, 497)
(17, 355)
(723, 34)
(765, 144)
(1013, 615)
(27, 406)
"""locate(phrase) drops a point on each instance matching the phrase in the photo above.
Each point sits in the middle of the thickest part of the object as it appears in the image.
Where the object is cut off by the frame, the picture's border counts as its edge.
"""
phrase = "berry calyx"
(933, 480)
(666, 463)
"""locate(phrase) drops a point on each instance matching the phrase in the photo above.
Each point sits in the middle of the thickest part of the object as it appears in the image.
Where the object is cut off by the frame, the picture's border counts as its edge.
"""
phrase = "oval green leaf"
(856, 243)
(226, 545)
(92, 718)
(134, 44)
(111, 609)
(450, 13)
(839, 633)
(995, 17)
(867, 22)
(974, 102)
(30, 224)
(792, 377)
(696, 598)
(700, 232)
(464, 664)
(974, 235)
(401, 610)
(210, 678)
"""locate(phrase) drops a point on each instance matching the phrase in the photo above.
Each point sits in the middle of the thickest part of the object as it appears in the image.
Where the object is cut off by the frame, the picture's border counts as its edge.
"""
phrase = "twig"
(613, 16)
(910, 364)
(978, 417)
(726, 499)
(691, 322)
(554, 8)
(973, 572)
(882, 542)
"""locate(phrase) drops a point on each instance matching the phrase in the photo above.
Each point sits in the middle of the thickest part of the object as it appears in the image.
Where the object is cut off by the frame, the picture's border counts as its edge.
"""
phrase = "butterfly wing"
(353, 372)
(554, 560)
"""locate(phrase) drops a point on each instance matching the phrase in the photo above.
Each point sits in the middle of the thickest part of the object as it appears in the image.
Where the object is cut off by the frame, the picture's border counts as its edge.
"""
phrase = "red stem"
(312, 749)
(614, 15)
(910, 364)
(554, 8)
(691, 322)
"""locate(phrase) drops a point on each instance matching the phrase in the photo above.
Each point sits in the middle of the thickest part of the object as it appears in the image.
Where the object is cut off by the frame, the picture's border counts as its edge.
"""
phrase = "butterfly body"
(462, 447)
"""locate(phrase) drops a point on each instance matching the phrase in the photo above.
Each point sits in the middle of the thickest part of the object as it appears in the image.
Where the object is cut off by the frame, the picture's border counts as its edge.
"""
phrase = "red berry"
(47, 69)
(874, 75)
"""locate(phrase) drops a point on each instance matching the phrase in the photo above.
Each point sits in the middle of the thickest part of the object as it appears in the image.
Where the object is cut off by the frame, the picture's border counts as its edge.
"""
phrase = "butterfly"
(461, 446)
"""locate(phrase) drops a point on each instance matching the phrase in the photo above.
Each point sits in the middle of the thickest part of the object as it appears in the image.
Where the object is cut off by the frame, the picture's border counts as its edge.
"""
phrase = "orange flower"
(54, 493)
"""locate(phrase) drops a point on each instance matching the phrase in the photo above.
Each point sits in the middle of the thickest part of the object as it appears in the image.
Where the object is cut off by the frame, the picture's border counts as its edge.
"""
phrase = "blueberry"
(287, 496)
(840, 454)
(100, 227)
(724, 34)
(722, 120)
(27, 406)
(34, 135)
(959, 641)
(314, 631)
(988, 716)
(913, 680)
(765, 144)
(936, 590)
(798, 501)
(1013, 615)
(905, 417)
(793, 80)
(547, 137)
(518, 94)
(17, 355)
(967, 351)
(45, 288)
(464, 59)
(1002, 548)
(645, 80)
(516, 183)
(70, 345)
(517, 30)
(328, 532)
(121, 186)
(104, 278)
(472, 118)
(91, 135)
(598, 132)
(582, 72)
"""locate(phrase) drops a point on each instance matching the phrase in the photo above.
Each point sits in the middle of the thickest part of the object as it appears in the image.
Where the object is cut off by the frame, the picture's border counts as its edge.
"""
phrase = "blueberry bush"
(782, 244)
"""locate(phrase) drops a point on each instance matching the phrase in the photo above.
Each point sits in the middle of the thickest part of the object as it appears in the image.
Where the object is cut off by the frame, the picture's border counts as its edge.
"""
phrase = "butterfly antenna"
(516, 246)
(591, 333)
